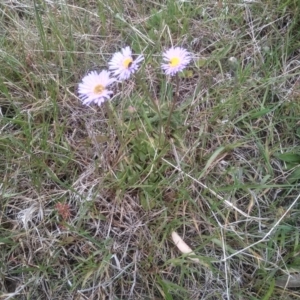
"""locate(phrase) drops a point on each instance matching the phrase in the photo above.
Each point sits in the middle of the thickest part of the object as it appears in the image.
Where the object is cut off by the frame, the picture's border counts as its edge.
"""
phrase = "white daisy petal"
(93, 88)
(122, 64)
(175, 60)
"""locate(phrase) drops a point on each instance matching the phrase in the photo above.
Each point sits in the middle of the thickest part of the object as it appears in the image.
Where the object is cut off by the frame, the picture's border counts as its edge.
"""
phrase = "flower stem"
(173, 103)
(113, 119)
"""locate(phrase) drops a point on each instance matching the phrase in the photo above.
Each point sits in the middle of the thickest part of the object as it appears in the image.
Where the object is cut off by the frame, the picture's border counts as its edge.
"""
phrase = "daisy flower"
(122, 64)
(93, 87)
(175, 60)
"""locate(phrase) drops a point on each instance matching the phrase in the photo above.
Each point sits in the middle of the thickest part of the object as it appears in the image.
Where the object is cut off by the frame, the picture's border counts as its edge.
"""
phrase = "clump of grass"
(88, 204)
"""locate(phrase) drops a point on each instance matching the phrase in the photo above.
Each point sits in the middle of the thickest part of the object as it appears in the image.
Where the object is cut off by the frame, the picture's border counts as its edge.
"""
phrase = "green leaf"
(212, 159)
(147, 202)
(260, 113)
(294, 176)
(270, 291)
(201, 62)
(6, 241)
(164, 289)
(186, 74)
(289, 157)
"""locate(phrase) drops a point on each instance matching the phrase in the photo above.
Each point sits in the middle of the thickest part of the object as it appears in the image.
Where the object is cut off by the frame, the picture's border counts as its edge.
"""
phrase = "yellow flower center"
(127, 62)
(174, 62)
(99, 88)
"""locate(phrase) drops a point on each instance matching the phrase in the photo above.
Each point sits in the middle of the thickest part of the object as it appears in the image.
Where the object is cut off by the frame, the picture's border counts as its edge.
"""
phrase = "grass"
(91, 195)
